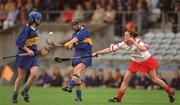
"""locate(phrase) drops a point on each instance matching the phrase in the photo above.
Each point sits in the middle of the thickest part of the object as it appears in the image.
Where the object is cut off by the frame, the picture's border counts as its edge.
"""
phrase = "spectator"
(144, 4)
(142, 81)
(2, 15)
(94, 80)
(89, 11)
(109, 14)
(9, 6)
(22, 15)
(164, 5)
(129, 14)
(175, 83)
(84, 79)
(112, 3)
(98, 15)
(67, 76)
(117, 78)
(142, 14)
(132, 82)
(118, 22)
(155, 86)
(152, 3)
(37, 4)
(48, 5)
(20, 3)
(132, 4)
(174, 17)
(11, 17)
(43, 79)
(120, 3)
(74, 3)
(100, 76)
(108, 79)
(79, 11)
(88, 6)
(66, 15)
(103, 3)
(29, 5)
(57, 79)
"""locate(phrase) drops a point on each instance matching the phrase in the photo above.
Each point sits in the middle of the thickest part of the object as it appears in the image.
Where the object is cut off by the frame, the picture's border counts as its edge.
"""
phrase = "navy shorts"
(86, 61)
(26, 62)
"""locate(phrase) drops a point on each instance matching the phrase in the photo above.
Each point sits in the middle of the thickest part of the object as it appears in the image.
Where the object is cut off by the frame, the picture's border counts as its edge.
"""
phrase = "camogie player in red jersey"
(141, 61)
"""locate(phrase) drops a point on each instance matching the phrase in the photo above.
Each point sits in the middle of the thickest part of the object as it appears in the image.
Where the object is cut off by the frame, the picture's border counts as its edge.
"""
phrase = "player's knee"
(20, 77)
(34, 72)
(154, 79)
(75, 76)
(34, 75)
(126, 81)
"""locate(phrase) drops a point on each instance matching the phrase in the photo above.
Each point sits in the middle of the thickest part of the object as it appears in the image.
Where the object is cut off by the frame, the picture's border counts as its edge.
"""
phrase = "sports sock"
(120, 94)
(169, 90)
(26, 89)
(72, 83)
(78, 93)
(15, 95)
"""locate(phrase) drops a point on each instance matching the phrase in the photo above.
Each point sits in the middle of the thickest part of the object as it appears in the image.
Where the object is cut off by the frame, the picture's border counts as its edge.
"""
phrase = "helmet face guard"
(76, 21)
(36, 17)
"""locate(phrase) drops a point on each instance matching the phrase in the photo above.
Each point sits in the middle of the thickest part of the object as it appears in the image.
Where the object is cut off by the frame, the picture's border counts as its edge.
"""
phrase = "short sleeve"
(22, 37)
(120, 45)
(115, 47)
(82, 35)
(141, 43)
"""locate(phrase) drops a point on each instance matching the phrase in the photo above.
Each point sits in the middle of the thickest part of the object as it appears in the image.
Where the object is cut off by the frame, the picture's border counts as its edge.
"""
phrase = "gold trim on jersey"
(31, 41)
(86, 40)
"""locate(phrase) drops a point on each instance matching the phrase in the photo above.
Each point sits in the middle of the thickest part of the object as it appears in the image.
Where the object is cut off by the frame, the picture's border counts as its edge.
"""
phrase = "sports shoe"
(114, 100)
(26, 96)
(78, 99)
(172, 97)
(14, 98)
(67, 89)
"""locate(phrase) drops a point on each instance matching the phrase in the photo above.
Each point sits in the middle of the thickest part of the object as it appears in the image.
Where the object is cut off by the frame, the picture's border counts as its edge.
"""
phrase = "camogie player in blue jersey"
(27, 43)
(82, 42)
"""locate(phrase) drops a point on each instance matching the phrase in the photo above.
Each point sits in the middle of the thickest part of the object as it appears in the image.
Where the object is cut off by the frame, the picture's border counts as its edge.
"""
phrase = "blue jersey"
(29, 38)
(83, 47)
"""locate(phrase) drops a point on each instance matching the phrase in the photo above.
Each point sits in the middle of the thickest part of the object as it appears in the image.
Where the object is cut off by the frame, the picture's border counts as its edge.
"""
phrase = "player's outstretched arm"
(112, 48)
(101, 52)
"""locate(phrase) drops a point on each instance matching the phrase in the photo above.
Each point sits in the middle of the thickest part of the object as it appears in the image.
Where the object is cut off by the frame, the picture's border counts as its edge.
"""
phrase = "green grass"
(91, 96)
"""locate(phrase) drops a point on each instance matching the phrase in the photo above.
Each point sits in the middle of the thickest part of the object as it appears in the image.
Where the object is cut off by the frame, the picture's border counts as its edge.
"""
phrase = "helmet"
(76, 21)
(35, 16)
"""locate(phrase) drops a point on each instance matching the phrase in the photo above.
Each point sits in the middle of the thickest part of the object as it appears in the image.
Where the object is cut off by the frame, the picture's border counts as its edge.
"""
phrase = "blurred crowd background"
(144, 13)
(102, 78)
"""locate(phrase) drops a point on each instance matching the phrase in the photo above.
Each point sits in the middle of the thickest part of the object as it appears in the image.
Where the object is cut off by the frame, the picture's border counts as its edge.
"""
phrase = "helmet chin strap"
(37, 22)
(78, 29)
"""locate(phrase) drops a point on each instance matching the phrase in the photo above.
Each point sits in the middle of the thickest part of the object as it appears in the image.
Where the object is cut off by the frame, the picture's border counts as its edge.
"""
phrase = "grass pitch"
(91, 96)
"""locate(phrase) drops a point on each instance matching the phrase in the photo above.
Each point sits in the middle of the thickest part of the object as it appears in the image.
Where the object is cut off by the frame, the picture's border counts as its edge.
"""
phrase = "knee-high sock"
(26, 89)
(15, 95)
(72, 83)
(120, 94)
(78, 93)
(169, 90)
